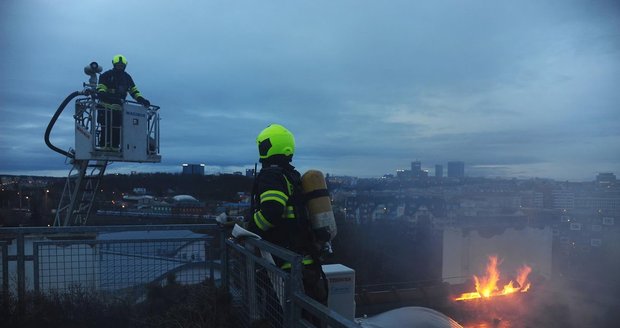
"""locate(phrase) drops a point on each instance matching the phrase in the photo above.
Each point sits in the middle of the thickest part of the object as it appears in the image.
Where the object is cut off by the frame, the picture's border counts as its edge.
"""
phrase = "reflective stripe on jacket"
(114, 86)
(274, 203)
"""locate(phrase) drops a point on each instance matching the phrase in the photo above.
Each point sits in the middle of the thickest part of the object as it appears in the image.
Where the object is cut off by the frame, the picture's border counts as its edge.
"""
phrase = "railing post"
(223, 259)
(21, 267)
(35, 267)
(210, 260)
(250, 286)
(5, 269)
(294, 285)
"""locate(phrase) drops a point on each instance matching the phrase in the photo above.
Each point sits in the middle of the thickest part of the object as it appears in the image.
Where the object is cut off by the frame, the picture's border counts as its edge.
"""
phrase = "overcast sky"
(526, 88)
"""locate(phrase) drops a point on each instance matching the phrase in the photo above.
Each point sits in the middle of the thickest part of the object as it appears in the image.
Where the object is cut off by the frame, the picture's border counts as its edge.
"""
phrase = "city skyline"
(520, 90)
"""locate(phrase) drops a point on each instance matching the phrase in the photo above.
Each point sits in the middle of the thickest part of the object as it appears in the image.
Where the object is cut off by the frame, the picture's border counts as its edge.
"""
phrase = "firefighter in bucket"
(112, 90)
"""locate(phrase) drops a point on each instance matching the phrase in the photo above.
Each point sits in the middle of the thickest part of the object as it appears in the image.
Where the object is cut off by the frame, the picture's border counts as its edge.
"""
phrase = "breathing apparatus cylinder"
(319, 208)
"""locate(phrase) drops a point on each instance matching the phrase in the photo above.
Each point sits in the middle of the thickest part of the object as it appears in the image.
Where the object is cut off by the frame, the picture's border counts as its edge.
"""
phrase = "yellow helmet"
(119, 59)
(275, 140)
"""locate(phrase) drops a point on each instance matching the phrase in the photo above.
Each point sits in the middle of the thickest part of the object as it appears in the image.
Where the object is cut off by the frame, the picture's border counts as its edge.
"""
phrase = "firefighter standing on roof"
(112, 90)
(279, 213)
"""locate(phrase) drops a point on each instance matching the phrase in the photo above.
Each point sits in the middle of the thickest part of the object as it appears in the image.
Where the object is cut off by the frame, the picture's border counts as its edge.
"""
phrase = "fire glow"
(486, 286)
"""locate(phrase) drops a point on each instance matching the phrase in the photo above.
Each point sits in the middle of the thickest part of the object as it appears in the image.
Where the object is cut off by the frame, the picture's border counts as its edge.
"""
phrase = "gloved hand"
(144, 102)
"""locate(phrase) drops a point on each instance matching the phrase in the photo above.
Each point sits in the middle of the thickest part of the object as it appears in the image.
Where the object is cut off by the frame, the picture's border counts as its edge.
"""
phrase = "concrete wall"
(466, 253)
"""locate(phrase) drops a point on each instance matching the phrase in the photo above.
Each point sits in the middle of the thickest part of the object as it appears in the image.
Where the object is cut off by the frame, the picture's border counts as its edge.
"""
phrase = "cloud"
(366, 87)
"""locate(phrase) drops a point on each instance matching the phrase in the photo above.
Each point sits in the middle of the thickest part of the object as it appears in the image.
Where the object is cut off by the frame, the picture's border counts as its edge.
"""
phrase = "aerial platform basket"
(99, 136)
(104, 133)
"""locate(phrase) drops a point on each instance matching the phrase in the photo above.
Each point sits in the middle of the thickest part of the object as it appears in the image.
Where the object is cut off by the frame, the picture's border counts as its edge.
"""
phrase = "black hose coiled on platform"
(53, 121)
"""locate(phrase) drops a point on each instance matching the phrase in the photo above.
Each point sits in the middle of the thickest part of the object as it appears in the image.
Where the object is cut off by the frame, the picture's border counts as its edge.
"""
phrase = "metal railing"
(115, 265)
(4, 274)
(263, 292)
(125, 260)
(105, 258)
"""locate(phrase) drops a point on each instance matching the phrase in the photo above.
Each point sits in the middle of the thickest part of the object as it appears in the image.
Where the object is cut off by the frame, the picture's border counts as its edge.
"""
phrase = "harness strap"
(316, 194)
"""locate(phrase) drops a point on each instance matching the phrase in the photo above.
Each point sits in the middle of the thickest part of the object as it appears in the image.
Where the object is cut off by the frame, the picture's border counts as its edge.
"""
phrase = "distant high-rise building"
(456, 169)
(607, 178)
(249, 173)
(193, 169)
(439, 171)
(416, 168)
(402, 175)
(563, 199)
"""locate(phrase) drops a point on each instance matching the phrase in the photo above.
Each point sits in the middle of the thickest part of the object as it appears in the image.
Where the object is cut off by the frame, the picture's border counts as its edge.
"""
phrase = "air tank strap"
(316, 194)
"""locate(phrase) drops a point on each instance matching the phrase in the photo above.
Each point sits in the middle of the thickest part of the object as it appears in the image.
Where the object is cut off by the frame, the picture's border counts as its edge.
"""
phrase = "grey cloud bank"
(523, 89)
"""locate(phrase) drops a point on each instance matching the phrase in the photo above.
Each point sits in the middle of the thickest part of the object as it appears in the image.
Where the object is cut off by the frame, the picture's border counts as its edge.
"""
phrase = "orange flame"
(486, 286)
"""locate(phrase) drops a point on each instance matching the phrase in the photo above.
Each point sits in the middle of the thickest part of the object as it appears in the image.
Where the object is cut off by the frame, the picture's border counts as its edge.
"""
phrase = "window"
(608, 221)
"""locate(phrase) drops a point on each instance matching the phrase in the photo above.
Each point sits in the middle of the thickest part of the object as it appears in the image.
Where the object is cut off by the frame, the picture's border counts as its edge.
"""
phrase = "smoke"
(557, 303)
(581, 290)
(569, 303)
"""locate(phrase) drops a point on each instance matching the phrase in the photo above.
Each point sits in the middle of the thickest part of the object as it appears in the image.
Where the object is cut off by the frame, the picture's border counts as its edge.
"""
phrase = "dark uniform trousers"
(110, 119)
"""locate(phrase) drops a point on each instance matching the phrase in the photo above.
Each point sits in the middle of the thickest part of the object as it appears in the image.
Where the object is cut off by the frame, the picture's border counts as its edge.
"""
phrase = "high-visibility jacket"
(279, 215)
(114, 85)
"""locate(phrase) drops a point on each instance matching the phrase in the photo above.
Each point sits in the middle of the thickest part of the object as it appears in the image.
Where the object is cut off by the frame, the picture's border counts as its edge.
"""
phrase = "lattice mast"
(136, 139)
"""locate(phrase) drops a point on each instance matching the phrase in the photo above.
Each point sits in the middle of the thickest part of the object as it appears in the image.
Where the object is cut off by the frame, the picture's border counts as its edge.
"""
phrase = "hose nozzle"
(92, 68)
